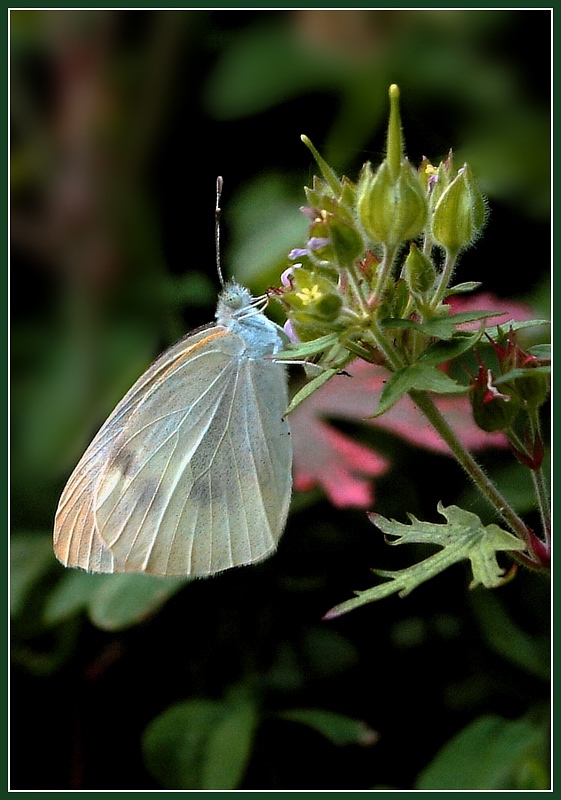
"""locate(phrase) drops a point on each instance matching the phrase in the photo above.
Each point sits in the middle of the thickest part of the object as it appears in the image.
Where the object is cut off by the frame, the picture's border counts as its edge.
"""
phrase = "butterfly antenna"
(219, 185)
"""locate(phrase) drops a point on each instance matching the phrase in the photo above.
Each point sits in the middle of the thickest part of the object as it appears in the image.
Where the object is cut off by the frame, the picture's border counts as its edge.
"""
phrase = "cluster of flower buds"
(348, 271)
(372, 280)
(508, 399)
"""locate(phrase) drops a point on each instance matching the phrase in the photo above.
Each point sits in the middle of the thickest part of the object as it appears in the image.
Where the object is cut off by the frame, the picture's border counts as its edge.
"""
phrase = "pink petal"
(326, 457)
(344, 468)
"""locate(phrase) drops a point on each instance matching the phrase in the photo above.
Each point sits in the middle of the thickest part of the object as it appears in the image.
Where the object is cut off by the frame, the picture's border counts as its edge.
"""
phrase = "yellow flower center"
(309, 296)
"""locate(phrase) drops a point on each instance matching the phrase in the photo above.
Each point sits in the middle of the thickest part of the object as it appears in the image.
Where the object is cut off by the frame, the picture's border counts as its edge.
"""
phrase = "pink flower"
(345, 468)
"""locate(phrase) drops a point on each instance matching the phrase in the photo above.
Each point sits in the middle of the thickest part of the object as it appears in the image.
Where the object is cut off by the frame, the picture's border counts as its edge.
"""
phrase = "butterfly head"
(236, 302)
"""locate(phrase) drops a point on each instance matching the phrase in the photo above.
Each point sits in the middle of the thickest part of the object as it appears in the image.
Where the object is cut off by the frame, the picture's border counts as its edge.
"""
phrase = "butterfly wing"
(191, 474)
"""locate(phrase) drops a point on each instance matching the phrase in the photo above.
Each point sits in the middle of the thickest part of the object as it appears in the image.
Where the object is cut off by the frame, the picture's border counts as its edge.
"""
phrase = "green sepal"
(303, 350)
(311, 387)
(462, 288)
(329, 175)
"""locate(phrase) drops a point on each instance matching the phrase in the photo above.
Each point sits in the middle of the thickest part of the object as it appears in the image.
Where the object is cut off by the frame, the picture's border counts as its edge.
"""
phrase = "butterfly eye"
(233, 299)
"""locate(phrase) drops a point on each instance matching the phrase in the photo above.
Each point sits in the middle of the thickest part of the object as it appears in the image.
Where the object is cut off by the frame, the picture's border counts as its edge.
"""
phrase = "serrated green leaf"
(338, 728)
(228, 748)
(463, 537)
(420, 376)
(489, 754)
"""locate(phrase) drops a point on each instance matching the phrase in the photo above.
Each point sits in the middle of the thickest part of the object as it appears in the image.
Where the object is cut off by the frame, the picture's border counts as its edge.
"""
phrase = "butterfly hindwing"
(191, 474)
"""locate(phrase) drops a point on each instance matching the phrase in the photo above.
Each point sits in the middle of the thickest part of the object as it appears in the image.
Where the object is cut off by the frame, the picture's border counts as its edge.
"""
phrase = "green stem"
(357, 288)
(382, 276)
(466, 460)
(445, 278)
(540, 486)
(538, 476)
(380, 341)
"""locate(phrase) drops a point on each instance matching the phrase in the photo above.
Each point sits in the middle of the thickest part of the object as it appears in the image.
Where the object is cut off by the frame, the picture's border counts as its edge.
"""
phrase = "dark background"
(120, 123)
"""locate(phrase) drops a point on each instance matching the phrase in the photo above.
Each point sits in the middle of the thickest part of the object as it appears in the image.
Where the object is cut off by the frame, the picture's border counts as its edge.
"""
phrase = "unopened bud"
(391, 211)
(492, 410)
(420, 273)
(459, 213)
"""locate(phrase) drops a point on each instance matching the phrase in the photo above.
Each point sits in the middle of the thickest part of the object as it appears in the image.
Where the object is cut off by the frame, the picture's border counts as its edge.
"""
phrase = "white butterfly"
(191, 473)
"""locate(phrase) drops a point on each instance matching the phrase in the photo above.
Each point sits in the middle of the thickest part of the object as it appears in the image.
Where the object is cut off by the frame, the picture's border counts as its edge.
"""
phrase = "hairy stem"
(470, 465)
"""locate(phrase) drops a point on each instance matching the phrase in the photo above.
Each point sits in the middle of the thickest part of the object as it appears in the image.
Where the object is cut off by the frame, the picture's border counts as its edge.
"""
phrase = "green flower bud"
(346, 241)
(532, 388)
(391, 204)
(492, 410)
(420, 273)
(496, 415)
(459, 212)
(391, 211)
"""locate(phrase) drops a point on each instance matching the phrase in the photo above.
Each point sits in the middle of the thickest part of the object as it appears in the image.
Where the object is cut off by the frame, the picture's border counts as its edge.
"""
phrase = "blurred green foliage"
(120, 122)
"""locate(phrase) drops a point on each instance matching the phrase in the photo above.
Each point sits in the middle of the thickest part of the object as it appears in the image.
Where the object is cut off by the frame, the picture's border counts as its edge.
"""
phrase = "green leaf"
(420, 376)
(113, 602)
(125, 600)
(228, 748)
(463, 537)
(541, 351)
(440, 327)
(507, 639)
(520, 373)
(442, 351)
(498, 330)
(173, 743)
(31, 557)
(72, 594)
(201, 744)
(263, 66)
(327, 652)
(338, 728)
(490, 754)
